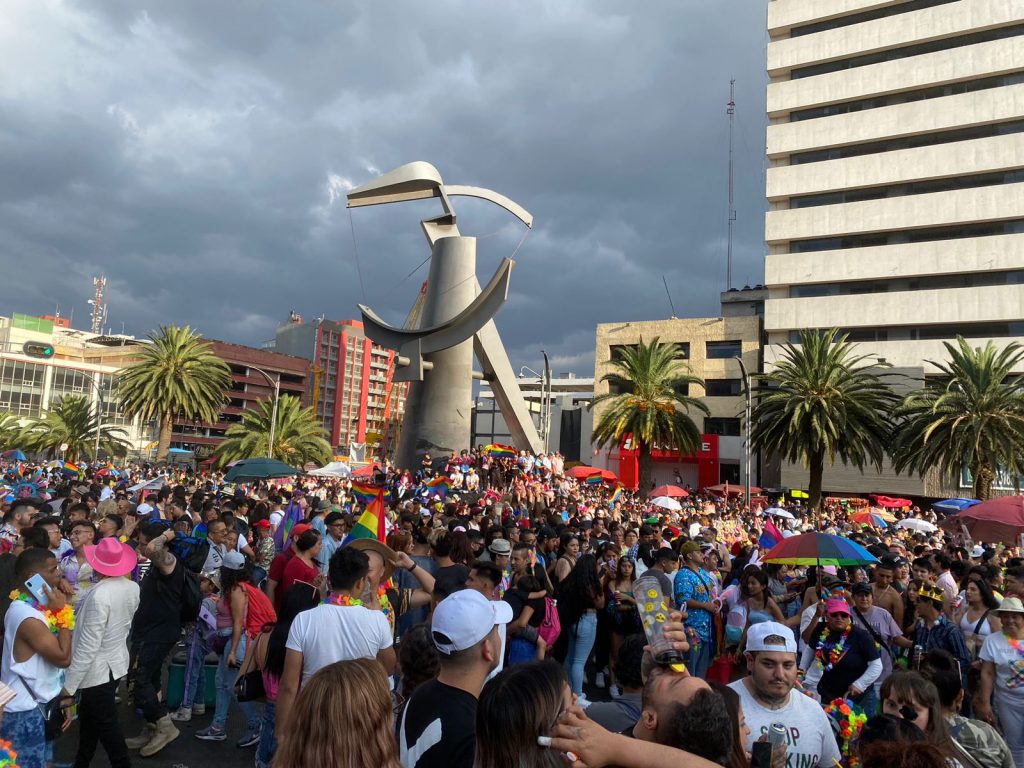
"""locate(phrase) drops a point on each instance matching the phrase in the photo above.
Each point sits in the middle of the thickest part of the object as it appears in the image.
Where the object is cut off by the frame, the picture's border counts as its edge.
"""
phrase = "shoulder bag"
(249, 683)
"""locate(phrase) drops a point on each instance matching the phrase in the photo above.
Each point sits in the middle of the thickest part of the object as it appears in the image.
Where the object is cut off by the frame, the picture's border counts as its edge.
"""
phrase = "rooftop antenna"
(667, 293)
(99, 305)
(730, 110)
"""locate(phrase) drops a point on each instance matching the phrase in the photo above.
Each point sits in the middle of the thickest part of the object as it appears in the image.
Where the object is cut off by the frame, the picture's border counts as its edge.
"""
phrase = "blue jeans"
(194, 677)
(698, 659)
(27, 733)
(581, 643)
(869, 701)
(226, 690)
(268, 742)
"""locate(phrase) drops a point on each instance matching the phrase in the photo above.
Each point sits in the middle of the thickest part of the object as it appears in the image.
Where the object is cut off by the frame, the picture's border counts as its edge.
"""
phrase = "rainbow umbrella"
(818, 549)
(871, 518)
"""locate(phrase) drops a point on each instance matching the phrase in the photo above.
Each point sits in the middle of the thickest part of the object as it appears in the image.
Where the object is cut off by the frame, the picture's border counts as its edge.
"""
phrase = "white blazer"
(99, 643)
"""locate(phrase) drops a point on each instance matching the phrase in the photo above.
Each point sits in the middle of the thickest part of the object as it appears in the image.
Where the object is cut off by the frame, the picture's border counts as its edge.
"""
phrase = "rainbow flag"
(365, 493)
(70, 469)
(292, 516)
(616, 494)
(440, 485)
(594, 479)
(501, 451)
(371, 524)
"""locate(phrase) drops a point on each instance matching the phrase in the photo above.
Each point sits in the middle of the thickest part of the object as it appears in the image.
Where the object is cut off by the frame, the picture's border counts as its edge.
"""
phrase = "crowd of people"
(510, 616)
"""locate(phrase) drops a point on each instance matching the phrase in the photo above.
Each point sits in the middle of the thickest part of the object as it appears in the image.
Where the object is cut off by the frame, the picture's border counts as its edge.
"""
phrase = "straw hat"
(387, 554)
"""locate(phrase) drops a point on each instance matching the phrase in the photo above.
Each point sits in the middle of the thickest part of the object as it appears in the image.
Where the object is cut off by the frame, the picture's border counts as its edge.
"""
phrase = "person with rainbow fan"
(1002, 673)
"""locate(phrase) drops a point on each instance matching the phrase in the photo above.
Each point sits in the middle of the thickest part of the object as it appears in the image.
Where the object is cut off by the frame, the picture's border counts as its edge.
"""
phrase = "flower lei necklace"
(382, 596)
(828, 656)
(1015, 644)
(62, 619)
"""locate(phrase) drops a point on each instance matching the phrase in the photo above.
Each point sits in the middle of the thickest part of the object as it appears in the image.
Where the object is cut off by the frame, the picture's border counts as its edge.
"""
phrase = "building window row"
(919, 283)
(942, 331)
(723, 387)
(927, 186)
(615, 350)
(914, 49)
(726, 427)
(906, 97)
(859, 18)
(903, 236)
(909, 142)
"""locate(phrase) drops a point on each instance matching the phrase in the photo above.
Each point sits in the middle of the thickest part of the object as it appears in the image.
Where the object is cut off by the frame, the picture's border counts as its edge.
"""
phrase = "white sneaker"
(583, 701)
(182, 714)
(615, 691)
(599, 680)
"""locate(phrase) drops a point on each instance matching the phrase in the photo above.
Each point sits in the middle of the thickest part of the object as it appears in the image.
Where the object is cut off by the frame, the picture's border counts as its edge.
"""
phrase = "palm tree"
(298, 435)
(971, 415)
(10, 431)
(821, 402)
(72, 420)
(177, 375)
(647, 402)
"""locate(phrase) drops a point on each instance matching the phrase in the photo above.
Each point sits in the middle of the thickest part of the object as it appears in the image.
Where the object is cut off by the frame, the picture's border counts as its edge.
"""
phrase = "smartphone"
(36, 587)
(760, 754)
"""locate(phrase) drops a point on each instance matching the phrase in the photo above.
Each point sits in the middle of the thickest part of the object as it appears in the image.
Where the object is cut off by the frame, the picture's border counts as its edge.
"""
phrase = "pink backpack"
(551, 627)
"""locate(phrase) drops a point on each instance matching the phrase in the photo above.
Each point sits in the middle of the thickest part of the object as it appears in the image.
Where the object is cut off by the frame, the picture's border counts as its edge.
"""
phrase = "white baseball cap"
(464, 618)
(770, 636)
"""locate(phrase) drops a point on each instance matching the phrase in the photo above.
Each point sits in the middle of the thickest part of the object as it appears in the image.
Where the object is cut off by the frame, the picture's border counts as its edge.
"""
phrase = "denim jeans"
(268, 741)
(195, 679)
(27, 733)
(581, 643)
(1010, 710)
(698, 659)
(869, 701)
(226, 677)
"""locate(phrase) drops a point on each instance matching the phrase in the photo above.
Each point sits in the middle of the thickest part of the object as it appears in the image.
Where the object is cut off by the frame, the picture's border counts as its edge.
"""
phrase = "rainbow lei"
(850, 718)
(828, 656)
(348, 600)
(8, 757)
(62, 619)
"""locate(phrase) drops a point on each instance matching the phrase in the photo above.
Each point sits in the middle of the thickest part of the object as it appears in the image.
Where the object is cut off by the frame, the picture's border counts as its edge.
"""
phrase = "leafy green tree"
(820, 402)
(177, 375)
(646, 402)
(298, 435)
(970, 415)
(72, 420)
(10, 431)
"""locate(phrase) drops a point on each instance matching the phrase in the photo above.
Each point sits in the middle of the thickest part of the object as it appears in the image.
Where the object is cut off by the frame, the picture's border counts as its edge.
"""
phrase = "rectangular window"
(723, 350)
(714, 425)
(723, 387)
(615, 351)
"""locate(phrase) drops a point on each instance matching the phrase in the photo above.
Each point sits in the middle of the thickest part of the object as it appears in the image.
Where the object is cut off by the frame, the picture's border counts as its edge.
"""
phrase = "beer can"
(776, 733)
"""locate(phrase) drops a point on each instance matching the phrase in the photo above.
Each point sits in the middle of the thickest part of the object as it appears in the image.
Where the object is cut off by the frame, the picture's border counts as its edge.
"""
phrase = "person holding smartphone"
(34, 656)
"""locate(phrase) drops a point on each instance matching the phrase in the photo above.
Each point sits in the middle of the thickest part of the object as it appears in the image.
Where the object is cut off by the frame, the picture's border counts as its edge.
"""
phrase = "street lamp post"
(546, 389)
(746, 436)
(276, 384)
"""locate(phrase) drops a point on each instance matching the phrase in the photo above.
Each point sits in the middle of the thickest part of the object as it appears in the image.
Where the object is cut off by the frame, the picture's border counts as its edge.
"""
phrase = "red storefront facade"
(706, 459)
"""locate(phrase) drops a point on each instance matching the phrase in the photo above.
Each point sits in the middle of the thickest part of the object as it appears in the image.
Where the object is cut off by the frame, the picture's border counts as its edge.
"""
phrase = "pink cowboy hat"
(110, 557)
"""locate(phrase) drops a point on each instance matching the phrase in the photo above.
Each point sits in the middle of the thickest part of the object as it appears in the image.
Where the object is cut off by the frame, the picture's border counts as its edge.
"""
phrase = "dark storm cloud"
(198, 154)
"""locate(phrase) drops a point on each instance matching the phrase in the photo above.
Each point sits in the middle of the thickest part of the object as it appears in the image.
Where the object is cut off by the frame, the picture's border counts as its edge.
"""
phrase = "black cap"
(545, 532)
(861, 588)
(666, 553)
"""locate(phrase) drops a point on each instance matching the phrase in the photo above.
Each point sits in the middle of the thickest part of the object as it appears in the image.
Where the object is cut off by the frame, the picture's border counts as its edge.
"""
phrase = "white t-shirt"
(1009, 665)
(330, 633)
(35, 680)
(275, 518)
(809, 739)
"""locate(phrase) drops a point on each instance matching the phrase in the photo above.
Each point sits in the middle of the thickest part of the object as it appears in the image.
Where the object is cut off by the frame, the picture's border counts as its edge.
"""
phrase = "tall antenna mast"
(730, 110)
(99, 304)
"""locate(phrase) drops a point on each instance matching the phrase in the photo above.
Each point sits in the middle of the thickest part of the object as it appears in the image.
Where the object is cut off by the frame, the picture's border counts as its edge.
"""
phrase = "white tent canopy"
(149, 485)
(334, 469)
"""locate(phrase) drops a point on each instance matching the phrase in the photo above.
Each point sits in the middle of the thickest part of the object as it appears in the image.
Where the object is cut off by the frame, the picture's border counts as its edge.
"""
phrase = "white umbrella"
(914, 524)
(334, 469)
(149, 485)
(779, 512)
(666, 502)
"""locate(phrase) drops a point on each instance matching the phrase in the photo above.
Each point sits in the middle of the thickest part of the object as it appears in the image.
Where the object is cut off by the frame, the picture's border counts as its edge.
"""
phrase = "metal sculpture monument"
(457, 321)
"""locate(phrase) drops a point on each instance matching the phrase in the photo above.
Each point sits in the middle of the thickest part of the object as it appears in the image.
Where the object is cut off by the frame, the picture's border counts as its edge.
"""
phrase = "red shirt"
(296, 570)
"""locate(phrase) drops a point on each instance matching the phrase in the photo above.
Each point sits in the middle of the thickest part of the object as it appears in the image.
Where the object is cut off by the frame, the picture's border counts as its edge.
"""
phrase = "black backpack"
(191, 552)
(191, 596)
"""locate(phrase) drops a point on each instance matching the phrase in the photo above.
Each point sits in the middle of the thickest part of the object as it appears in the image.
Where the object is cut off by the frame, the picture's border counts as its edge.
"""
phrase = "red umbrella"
(582, 472)
(995, 520)
(889, 503)
(672, 491)
(734, 490)
(365, 471)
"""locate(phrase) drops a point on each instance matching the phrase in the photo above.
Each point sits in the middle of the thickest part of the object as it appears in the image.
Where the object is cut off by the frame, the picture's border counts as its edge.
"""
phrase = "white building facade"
(896, 174)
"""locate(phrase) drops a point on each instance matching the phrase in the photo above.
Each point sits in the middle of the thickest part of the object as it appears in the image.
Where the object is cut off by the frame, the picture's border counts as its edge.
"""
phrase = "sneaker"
(181, 714)
(599, 679)
(199, 709)
(251, 739)
(212, 733)
(615, 691)
(583, 701)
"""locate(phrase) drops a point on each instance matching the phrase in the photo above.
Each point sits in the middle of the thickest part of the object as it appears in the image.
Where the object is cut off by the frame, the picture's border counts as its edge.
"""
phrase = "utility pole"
(746, 427)
(730, 110)
(545, 420)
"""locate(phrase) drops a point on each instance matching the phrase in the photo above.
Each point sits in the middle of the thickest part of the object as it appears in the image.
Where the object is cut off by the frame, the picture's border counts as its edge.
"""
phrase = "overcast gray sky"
(198, 154)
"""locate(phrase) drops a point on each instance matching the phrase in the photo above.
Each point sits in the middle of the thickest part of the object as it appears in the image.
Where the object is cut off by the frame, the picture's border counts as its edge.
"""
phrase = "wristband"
(412, 568)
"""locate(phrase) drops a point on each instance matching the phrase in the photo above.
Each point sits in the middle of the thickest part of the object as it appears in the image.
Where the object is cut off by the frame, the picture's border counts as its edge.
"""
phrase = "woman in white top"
(1002, 672)
(977, 618)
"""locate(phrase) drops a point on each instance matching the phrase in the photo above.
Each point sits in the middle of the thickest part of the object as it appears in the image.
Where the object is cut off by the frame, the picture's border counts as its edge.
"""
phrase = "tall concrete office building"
(896, 173)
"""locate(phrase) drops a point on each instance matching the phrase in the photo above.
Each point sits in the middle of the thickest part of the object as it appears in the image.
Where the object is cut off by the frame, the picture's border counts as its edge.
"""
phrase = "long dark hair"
(300, 597)
(987, 598)
(577, 591)
(232, 577)
(737, 758)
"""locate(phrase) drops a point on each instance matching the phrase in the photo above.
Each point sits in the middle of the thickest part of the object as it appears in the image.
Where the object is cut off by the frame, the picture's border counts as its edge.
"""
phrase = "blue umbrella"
(952, 506)
(14, 455)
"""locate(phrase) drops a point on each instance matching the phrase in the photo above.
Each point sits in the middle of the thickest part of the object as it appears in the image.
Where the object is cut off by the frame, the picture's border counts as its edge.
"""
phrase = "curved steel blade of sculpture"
(457, 320)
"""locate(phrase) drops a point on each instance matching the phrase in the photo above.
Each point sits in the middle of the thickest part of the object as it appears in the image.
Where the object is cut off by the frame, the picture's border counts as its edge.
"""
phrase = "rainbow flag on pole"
(365, 493)
(617, 493)
(371, 523)
(72, 470)
(500, 451)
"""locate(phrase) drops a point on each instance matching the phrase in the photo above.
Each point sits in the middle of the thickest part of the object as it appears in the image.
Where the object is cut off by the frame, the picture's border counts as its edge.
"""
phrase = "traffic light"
(37, 349)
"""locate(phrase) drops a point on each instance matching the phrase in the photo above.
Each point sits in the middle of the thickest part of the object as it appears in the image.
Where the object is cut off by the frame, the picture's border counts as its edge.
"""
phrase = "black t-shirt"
(858, 651)
(519, 600)
(438, 728)
(158, 618)
(451, 579)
